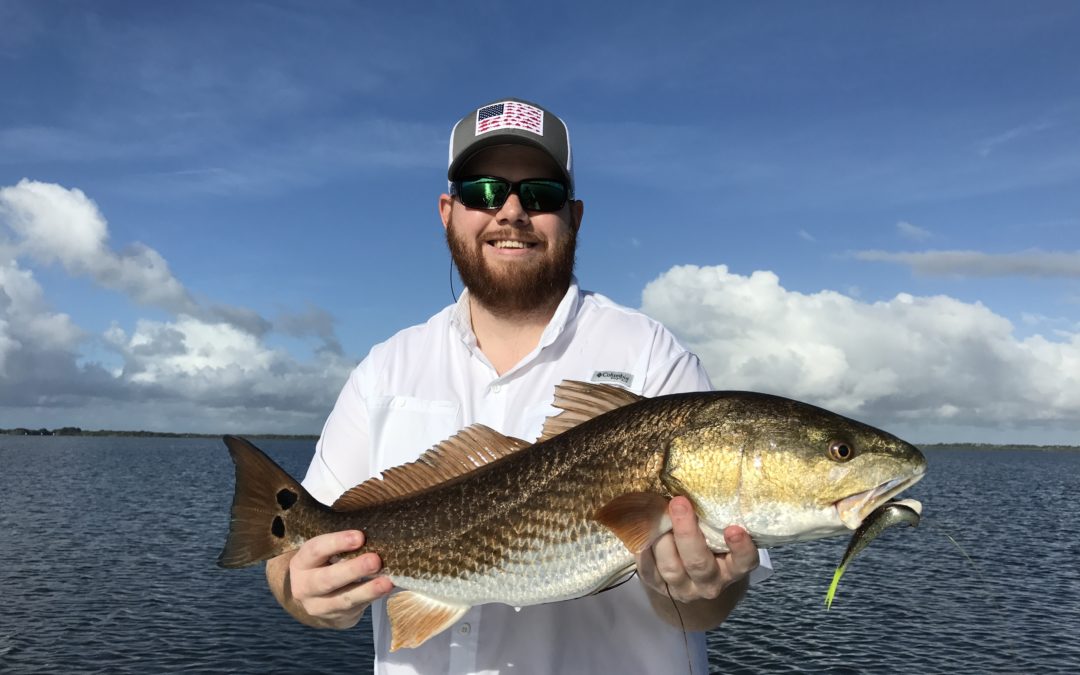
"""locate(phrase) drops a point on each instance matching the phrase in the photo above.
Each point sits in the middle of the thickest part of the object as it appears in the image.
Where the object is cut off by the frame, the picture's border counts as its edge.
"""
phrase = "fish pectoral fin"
(637, 518)
(415, 617)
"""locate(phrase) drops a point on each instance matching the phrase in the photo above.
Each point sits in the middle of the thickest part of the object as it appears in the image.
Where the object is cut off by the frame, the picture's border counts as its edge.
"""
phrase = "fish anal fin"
(580, 402)
(636, 518)
(415, 617)
(461, 454)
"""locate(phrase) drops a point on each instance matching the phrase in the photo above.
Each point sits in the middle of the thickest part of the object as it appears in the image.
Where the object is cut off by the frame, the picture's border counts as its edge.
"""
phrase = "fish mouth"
(852, 510)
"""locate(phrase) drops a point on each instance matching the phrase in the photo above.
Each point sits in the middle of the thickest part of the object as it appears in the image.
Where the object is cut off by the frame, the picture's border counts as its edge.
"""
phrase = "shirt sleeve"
(342, 449)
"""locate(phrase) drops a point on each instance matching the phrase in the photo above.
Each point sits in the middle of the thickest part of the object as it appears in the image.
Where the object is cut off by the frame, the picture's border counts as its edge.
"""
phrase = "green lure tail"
(832, 587)
(899, 512)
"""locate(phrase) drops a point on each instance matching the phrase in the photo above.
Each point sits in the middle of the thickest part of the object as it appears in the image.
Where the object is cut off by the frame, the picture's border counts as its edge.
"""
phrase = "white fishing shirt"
(429, 381)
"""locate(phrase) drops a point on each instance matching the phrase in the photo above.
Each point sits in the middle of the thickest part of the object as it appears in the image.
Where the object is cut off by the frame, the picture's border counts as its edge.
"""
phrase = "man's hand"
(320, 590)
(679, 566)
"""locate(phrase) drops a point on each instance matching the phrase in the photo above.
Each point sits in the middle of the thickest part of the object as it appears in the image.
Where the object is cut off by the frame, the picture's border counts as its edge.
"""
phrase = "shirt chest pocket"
(403, 427)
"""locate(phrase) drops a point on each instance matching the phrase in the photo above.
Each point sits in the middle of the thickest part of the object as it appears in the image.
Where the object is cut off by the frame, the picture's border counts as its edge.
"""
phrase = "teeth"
(510, 244)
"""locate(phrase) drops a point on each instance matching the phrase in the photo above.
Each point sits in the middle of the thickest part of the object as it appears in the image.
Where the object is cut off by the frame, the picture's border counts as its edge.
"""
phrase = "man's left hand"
(680, 565)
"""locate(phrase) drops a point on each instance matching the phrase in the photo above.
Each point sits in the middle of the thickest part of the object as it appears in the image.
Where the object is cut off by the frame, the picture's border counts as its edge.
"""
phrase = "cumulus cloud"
(53, 224)
(209, 364)
(915, 361)
(1033, 263)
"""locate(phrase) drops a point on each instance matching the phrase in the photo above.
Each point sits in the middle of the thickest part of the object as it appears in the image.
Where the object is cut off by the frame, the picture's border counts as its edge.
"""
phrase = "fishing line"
(452, 293)
(982, 579)
(682, 624)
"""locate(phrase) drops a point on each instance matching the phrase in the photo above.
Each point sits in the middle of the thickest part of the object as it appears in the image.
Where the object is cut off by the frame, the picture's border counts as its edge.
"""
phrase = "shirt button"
(496, 388)
(464, 629)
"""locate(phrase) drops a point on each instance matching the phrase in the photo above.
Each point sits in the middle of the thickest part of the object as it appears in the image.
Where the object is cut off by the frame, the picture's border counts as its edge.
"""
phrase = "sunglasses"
(489, 192)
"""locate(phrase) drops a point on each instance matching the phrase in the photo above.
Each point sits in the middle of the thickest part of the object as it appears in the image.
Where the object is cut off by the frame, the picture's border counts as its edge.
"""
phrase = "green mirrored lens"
(542, 195)
(484, 193)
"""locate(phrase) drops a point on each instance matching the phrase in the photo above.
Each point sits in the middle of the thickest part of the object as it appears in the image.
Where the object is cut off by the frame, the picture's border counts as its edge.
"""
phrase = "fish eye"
(841, 451)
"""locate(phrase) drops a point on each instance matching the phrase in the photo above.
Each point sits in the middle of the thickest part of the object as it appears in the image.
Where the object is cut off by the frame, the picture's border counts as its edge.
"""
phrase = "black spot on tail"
(286, 498)
(278, 527)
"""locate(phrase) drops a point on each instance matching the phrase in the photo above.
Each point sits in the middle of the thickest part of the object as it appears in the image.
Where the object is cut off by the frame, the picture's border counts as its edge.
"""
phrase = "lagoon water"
(107, 550)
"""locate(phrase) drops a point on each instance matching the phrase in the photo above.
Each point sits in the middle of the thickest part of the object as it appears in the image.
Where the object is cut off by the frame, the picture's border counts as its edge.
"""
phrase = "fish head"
(785, 470)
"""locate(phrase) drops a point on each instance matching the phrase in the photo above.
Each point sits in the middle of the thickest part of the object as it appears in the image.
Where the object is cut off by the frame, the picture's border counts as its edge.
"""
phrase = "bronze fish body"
(485, 518)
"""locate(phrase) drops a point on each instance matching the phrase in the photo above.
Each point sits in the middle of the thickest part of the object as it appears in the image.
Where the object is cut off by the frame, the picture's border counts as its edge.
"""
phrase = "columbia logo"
(614, 376)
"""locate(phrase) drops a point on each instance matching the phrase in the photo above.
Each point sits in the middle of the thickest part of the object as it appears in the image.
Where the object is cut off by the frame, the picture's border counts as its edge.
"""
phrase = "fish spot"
(286, 498)
(277, 528)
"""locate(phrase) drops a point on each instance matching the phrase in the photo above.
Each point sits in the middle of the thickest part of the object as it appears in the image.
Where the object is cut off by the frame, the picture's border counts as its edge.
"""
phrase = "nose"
(512, 213)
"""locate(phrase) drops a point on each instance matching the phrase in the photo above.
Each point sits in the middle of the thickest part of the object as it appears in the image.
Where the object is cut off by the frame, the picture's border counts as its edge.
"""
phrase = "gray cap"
(511, 121)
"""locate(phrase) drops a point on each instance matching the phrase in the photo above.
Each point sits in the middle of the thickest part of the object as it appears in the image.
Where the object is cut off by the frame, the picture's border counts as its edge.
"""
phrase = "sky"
(210, 212)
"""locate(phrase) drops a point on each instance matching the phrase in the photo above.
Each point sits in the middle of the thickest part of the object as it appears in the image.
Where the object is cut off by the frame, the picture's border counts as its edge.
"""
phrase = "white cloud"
(912, 361)
(55, 224)
(209, 366)
(909, 231)
(988, 145)
(806, 235)
(25, 319)
(1033, 263)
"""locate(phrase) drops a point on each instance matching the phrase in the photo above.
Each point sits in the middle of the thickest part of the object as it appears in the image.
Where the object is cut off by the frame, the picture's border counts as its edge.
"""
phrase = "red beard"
(519, 288)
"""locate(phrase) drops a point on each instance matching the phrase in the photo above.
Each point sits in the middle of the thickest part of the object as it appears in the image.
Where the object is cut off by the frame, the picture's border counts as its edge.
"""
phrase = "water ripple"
(110, 547)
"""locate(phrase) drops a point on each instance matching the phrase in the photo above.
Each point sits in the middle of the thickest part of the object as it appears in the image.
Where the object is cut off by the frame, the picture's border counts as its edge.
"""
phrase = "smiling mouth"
(511, 243)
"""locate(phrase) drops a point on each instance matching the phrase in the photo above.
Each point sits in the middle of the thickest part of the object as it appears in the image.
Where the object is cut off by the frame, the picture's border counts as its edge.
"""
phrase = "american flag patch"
(510, 115)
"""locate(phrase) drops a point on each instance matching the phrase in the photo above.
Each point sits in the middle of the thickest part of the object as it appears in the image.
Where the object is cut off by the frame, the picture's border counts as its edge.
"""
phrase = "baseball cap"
(511, 121)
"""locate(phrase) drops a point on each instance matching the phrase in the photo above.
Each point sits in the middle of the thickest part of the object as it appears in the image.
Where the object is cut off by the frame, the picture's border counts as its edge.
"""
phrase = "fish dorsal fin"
(637, 518)
(582, 401)
(415, 617)
(461, 454)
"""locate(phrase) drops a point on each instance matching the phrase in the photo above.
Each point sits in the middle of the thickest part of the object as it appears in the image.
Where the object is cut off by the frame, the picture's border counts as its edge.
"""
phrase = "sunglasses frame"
(515, 189)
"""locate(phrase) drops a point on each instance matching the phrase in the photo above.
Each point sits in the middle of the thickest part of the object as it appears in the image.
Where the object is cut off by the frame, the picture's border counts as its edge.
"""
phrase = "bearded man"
(521, 327)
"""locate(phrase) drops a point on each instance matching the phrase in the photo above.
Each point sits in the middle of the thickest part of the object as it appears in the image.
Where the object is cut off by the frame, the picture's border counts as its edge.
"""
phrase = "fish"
(891, 514)
(486, 518)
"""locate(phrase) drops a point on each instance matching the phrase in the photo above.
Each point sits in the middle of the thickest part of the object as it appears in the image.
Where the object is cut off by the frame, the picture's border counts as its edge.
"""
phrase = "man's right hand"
(321, 590)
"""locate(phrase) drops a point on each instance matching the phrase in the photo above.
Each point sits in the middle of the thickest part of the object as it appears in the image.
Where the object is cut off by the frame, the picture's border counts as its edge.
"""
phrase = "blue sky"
(210, 211)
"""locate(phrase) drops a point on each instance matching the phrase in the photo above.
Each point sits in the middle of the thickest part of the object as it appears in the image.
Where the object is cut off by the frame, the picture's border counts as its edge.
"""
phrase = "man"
(521, 327)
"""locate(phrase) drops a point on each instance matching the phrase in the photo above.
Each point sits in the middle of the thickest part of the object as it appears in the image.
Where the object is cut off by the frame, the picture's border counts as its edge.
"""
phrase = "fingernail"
(679, 508)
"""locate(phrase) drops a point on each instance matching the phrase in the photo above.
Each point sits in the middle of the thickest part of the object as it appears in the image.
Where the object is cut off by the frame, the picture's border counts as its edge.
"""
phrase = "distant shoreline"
(75, 431)
(997, 446)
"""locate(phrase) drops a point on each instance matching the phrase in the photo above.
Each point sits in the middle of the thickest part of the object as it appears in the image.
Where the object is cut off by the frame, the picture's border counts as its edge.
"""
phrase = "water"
(107, 549)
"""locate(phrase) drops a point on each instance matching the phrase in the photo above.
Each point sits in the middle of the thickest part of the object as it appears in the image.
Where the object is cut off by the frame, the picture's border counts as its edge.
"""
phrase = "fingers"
(680, 564)
(318, 551)
(698, 562)
(743, 556)
(331, 588)
(346, 605)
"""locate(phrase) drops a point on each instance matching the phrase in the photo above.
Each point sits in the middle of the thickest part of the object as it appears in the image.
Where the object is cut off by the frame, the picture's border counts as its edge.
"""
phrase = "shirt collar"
(565, 313)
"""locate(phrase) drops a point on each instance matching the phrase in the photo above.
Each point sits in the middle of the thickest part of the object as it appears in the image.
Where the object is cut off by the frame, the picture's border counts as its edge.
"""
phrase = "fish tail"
(261, 526)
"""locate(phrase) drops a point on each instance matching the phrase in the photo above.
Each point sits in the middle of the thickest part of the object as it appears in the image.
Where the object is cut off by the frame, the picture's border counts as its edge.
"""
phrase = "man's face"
(512, 260)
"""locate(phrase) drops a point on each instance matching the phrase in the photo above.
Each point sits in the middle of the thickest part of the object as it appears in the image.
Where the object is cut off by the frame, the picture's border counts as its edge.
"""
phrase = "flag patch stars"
(510, 115)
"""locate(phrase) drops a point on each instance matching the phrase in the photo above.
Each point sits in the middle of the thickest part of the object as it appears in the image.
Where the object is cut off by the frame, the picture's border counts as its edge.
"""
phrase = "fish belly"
(537, 573)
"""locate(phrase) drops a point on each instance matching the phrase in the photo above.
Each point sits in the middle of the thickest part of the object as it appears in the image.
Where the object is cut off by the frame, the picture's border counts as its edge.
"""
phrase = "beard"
(517, 288)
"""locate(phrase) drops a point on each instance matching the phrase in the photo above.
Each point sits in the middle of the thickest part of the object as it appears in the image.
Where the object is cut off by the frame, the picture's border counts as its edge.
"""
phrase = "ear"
(446, 205)
(577, 209)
